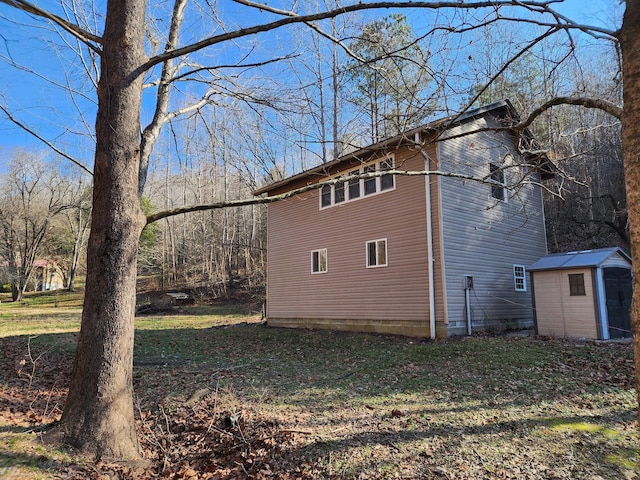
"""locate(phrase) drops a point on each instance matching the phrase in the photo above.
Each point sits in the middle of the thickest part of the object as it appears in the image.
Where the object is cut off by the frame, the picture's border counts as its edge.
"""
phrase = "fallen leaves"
(313, 418)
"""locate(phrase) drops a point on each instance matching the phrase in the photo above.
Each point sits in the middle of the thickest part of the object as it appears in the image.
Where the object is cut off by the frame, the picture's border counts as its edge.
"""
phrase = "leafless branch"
(315, 186)
(534, 6)
(88, 38)
(43, 140)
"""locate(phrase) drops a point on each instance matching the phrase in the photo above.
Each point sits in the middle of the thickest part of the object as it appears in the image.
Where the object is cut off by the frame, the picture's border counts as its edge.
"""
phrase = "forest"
(229, 135)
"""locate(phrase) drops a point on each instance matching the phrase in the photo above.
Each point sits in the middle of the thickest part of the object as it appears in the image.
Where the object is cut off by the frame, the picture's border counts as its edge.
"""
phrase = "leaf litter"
(312, 405)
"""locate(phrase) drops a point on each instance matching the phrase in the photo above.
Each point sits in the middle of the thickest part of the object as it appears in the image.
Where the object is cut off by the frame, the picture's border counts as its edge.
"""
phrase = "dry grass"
(336, 405)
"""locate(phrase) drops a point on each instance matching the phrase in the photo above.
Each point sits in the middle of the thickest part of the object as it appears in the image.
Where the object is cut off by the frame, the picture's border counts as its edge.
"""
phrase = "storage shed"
(585, 294)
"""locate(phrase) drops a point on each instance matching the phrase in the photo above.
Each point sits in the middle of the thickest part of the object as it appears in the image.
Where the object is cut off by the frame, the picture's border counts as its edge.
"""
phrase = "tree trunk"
(630, 45)
(98, 417)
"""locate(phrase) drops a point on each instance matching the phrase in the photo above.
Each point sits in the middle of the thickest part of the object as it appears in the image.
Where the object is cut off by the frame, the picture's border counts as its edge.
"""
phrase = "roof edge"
(396, 140)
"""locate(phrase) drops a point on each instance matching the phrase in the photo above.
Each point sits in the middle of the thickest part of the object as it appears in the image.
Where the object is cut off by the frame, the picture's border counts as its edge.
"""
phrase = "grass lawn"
(220, 395)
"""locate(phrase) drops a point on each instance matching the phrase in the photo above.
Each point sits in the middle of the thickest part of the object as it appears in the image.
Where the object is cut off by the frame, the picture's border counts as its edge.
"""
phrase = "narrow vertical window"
(319, 261)
(325, 196)
(497, 181)
(576, 284)
(520, 278)
(369, 183)
(386, 181)
(338, 193)
(354, 185)
(377, 253)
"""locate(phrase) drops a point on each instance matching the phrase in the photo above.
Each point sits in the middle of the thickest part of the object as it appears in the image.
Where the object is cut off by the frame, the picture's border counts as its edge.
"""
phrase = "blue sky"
(47, 109)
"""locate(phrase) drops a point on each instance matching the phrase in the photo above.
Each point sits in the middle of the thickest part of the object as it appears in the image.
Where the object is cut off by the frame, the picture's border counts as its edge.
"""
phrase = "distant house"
(425, 256)
(47, 275)
(584, 294)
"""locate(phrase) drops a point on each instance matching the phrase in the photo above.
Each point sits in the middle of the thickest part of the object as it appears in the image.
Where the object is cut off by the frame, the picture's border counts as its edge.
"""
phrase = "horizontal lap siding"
(484, 237)
(558, 313)
(349, 290)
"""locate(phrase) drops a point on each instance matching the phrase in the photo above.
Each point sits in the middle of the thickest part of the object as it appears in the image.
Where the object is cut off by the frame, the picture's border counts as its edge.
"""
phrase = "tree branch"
(315, 186)
(46, 142)
(84, 36)
(587, 102)
(535, 6)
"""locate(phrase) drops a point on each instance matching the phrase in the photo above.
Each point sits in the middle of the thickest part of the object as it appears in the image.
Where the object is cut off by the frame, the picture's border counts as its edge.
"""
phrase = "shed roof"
(581, 259)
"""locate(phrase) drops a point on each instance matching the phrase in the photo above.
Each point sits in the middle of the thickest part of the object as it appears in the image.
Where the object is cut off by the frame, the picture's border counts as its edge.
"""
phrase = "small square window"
(520, 278)
(319, 261)
(377, 253)
(576, 284)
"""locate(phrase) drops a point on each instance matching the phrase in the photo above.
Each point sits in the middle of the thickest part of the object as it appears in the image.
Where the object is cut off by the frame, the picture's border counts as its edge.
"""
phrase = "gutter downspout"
(432, 292)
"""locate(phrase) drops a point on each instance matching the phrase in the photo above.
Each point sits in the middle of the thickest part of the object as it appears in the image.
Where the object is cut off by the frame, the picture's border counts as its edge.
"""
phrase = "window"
(370, 183)
(325, 196)
(319, 261)
(520, 278)
(354, 185)
(497, 181)
(576, 284)
(338, 192)
(354, 188)
(386, 182)
(377, 253)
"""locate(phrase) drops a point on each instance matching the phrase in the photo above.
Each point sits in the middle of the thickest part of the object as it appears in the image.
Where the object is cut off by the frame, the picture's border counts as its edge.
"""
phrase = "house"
(420, 255)
(584, 294)
(47, 275)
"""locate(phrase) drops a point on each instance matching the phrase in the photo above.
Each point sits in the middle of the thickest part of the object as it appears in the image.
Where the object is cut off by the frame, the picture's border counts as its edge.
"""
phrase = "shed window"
(377, 253)
(520, 278)
(576, 284)
(319, 261)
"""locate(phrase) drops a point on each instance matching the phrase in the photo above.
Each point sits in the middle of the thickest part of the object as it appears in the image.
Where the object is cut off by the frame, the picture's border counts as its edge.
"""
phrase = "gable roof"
(581, 259)
(502, 110)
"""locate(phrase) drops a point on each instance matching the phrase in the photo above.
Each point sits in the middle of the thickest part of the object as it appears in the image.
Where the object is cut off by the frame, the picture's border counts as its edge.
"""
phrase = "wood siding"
(391, 299)
(559, 314)
(483, 237)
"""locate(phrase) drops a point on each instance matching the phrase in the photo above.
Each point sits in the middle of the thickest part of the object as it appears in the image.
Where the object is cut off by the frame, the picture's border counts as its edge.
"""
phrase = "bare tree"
(31, 196)
(98, 414)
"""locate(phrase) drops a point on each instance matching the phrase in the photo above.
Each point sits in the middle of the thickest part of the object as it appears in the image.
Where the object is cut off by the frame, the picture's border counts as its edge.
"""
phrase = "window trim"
(520, 277)
(318, 253)
(376, 244)
(348, 185)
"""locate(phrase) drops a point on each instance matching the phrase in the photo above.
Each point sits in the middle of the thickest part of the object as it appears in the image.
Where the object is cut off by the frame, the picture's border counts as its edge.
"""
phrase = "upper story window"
(497, 181)
(351, 189)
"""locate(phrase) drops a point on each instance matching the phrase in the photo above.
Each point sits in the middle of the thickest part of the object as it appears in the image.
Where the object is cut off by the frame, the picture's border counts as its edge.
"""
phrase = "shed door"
(618, 290)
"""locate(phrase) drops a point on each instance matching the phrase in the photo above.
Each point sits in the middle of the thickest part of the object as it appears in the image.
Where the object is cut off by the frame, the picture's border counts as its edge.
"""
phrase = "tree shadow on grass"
(338, 379)
(11, 461)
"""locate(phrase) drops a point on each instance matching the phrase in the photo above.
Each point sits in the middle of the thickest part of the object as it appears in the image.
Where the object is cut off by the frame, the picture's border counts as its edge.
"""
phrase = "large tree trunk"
(630, 44)
(98, 417)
